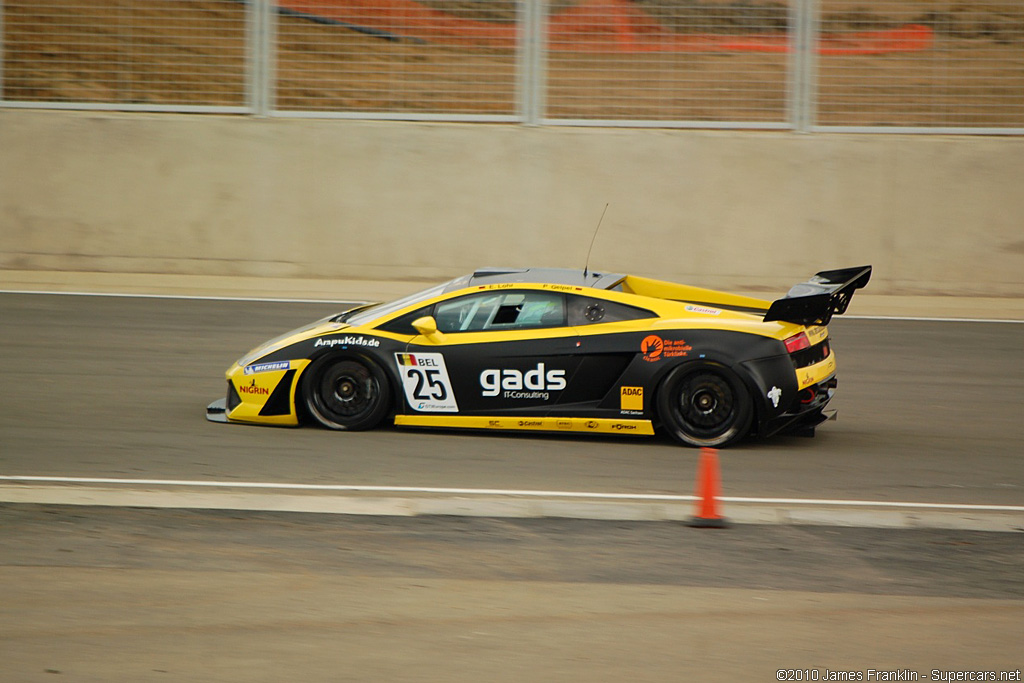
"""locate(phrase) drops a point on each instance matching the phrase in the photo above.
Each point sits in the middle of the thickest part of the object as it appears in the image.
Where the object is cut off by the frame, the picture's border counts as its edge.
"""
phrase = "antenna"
(586, 265)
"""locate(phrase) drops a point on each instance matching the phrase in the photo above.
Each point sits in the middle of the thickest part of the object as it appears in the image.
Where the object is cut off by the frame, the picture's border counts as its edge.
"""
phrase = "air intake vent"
(233, 398)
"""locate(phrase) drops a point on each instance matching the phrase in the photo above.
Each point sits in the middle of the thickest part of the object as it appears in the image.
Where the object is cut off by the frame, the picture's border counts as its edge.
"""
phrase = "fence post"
(261, 23)
(803, 63)
(531, 62)
(1, 51)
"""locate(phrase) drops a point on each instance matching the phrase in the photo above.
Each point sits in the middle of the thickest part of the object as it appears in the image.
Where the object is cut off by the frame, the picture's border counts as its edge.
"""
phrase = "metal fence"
(807, 65)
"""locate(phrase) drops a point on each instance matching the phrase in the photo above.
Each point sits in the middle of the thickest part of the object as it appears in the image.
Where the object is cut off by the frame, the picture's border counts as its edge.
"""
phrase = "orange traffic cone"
(708, 488)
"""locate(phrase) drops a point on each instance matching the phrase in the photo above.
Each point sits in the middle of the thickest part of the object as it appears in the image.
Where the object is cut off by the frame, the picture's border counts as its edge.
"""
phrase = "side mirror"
(427, 326)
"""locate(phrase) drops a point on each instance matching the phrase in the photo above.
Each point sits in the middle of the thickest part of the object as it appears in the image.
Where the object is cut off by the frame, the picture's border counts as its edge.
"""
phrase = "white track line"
(188, 297)
(505, 492)
(907, 318)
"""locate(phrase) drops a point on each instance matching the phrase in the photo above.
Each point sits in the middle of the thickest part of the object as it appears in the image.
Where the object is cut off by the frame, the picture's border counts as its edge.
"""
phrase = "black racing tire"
(346, 393)
(705, 404)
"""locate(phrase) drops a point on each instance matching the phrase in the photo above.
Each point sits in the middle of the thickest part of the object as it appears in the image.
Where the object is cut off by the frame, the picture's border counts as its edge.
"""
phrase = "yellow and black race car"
(560, 351)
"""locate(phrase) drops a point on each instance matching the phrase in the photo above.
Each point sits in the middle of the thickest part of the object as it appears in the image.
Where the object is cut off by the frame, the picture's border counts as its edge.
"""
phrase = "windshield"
(374, 313)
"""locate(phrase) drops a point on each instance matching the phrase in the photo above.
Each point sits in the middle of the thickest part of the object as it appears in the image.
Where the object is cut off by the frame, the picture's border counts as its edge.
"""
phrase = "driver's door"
(500, 351)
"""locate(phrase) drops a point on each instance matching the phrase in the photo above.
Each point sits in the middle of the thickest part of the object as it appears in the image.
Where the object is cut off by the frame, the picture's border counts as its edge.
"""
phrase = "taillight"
(798, 342)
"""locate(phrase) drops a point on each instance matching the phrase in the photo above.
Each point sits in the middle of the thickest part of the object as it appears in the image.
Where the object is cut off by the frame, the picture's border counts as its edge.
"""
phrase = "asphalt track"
(113, 388)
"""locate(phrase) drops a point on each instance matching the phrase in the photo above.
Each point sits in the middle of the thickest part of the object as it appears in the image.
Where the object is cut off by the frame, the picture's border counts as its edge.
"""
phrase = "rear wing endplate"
(826, 294)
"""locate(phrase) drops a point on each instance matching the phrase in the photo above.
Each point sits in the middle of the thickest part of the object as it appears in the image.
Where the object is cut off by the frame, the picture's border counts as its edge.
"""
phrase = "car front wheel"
(705, 404)
(346, 393)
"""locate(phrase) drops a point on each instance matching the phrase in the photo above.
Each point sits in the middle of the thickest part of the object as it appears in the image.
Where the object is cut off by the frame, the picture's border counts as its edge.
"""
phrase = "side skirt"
(542, 424)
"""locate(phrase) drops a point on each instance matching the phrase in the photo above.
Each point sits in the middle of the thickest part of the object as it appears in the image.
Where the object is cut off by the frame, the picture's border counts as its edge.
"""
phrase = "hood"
(323, 326)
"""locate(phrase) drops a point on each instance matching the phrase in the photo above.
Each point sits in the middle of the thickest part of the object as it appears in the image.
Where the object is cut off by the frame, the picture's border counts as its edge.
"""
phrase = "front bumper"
(263, 396)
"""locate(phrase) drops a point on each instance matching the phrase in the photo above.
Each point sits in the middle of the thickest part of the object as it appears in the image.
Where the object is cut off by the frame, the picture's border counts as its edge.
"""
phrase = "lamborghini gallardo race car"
(559, 351)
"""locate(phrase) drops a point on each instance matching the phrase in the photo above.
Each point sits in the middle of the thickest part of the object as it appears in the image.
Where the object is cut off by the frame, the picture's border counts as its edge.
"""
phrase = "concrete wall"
(343, 199)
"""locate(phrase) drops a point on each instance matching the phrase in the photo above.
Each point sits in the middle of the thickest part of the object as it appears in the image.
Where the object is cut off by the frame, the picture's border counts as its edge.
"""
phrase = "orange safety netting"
(591, 26)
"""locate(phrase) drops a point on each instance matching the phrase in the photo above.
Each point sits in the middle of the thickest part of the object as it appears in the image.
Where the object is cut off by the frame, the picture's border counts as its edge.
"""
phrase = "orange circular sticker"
(651, 347)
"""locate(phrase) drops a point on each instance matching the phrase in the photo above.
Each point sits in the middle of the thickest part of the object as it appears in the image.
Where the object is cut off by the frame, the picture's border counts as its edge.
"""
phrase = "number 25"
(432, 381)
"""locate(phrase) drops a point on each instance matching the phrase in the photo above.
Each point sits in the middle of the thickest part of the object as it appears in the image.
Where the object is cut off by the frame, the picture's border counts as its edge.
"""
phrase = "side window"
(403, 324)
(589, 311)
(467, 313)
(502, 310)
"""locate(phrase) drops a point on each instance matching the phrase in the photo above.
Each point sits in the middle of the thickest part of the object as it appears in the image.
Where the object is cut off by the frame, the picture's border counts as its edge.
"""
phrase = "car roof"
(552, 276)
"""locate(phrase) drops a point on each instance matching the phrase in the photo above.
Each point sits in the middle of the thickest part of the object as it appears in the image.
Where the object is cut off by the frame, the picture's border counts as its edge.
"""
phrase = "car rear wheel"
(705, 404)
(346, 393)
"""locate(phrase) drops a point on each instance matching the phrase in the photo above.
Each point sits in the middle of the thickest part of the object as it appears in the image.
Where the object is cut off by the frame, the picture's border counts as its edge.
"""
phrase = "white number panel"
(426, 383)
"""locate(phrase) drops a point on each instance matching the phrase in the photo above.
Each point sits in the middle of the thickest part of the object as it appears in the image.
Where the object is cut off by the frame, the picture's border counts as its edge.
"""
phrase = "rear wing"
(815, 302)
